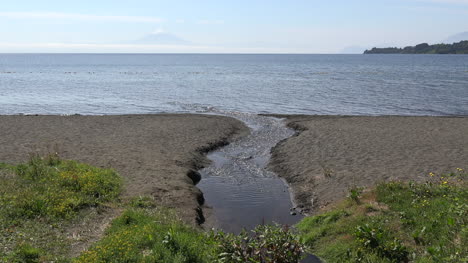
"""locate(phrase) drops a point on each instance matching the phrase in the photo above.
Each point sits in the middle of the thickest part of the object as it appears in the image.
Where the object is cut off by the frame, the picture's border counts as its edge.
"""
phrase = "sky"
(221, 26)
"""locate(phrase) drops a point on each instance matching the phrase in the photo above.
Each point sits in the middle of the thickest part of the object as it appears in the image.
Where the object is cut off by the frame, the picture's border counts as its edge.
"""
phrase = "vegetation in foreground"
(144, 233)
(148, 235)
(396, 222)
(40, 199)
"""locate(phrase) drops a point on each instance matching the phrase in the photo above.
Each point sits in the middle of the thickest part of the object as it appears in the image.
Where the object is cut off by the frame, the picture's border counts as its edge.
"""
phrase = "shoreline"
(157, 154)
(160, 154)
(330, 154)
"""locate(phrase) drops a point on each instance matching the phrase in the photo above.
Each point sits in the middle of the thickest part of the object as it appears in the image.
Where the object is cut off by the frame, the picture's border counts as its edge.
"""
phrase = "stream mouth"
(240, 192)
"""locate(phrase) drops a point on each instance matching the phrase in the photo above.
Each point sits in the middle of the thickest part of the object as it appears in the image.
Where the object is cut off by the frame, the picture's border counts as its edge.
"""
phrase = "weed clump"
(266, 243)
(355, 193)
(27, 254)
(379, 241)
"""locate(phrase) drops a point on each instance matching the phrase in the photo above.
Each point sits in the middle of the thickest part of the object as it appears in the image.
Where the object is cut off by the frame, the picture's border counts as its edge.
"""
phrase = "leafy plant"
(355, 194)
(266, 243)
(378, 241)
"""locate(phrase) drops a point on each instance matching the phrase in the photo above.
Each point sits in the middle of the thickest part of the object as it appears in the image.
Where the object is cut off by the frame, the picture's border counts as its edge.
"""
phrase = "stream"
(237, 185)
(240, 193)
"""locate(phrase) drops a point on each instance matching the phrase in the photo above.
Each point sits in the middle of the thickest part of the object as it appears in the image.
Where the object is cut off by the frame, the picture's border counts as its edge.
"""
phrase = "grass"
(395, 222)
(149, 235)
(42, 199)
(39, 200)
(144, 233)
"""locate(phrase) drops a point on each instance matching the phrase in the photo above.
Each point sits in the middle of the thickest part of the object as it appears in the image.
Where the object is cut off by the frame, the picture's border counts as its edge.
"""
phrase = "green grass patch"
(395, 222)
(147, 234)
(38, 199)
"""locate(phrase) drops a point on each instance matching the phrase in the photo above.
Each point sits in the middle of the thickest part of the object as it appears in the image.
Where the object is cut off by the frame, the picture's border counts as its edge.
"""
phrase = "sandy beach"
(157, 155)
(331, 154)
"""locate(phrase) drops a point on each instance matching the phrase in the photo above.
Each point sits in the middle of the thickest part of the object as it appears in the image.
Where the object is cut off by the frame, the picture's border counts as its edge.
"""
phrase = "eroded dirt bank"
(331, 154)
(156, 154)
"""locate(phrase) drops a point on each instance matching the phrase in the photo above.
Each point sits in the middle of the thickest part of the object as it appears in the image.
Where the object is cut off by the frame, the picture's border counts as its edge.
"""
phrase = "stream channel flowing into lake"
(239, 189)
(237, 185)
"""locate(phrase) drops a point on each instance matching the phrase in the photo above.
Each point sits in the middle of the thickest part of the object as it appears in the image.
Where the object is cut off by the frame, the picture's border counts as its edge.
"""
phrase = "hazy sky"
(264, 26)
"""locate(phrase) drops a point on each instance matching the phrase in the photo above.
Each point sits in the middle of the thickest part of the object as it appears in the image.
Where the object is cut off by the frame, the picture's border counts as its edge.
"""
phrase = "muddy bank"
(156, 154)
(331, 154)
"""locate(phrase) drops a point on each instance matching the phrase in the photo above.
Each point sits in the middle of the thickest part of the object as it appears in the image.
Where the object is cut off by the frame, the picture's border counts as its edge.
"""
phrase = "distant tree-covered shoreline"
(424, 48)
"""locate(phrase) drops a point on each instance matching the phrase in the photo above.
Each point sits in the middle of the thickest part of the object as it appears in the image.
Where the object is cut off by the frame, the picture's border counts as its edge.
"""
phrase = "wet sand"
(331, 154)
(157, 155)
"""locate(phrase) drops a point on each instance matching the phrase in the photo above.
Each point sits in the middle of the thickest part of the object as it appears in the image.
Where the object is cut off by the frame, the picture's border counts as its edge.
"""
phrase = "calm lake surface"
(289, 84)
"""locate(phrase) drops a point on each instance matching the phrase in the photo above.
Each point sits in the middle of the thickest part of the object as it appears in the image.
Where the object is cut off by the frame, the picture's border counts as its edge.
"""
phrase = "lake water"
(305, 84)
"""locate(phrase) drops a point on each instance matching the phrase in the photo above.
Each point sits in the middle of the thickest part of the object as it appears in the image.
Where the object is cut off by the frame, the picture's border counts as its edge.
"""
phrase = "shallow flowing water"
(237, 185)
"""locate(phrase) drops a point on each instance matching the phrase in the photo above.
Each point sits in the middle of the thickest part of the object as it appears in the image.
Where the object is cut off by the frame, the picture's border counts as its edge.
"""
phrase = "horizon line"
(169, 53)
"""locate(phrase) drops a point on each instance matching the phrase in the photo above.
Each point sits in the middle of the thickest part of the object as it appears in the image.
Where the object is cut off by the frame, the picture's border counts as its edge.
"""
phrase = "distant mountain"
(456, 38)
(424, 48)
(161, 38)
(352, 50)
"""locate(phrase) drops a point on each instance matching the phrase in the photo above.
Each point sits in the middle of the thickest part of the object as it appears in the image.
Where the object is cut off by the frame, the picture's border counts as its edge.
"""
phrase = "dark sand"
(156, 154)
(331, 154)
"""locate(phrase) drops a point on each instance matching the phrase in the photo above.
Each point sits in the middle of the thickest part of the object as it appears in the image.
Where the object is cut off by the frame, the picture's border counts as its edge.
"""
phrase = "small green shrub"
(266, 243)
(379, 241)
(355, 194)
(26, 253)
